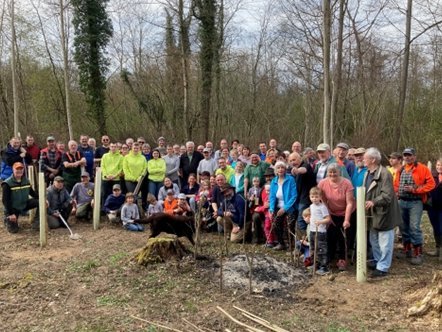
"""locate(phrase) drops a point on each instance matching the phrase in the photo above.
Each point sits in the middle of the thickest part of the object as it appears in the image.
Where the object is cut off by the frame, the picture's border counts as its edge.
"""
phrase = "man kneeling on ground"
(83, 197)
(59, 203)
(113, 204)
(231, 214)
(16, 191)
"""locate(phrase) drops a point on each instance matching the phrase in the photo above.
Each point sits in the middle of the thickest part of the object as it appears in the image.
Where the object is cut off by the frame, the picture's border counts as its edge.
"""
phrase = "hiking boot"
(36, 225)
(406, 252)
(322, 271)
(269, 245)
(342, 265)
(11, 227)
(279, 247)
(417, 258)
(378, 274)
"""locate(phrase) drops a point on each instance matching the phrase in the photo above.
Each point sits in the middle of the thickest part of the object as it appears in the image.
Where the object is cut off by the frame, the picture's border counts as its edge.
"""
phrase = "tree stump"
(160, 249)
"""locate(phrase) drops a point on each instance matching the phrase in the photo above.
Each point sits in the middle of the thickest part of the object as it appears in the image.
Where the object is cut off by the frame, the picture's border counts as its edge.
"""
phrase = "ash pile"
(268, 274)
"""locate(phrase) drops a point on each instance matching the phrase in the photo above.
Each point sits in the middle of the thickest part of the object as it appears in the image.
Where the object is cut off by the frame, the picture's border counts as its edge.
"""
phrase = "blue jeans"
(154, 187)
(382, 243)
(301, 224)
(411, 212)
(134, 227)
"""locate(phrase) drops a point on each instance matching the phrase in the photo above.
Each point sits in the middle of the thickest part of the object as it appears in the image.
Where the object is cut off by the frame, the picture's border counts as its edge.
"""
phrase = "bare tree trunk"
(337, 75)
(66, 71)
(13, 68)
(404, 76)
(326, 37)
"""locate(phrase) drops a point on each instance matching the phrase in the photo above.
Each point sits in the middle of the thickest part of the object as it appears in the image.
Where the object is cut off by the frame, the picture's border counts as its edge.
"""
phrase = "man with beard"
(231, 214)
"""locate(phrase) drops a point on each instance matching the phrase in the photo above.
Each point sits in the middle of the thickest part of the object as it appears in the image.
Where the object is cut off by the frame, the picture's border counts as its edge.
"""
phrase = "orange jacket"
(422, 178)
(170, 206)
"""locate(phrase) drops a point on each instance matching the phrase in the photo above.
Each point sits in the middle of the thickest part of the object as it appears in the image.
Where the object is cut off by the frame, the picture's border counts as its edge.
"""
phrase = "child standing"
(130, 213)
(318, 220)
(254, 194)
(264, 209)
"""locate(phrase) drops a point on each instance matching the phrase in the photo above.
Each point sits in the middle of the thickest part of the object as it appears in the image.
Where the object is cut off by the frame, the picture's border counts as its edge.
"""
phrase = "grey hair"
(334, 167)
(279, 163)
(375, 154)
(190, 143)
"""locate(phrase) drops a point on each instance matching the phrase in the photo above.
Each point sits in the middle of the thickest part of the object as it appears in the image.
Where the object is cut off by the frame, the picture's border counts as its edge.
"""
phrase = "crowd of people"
(303, 198)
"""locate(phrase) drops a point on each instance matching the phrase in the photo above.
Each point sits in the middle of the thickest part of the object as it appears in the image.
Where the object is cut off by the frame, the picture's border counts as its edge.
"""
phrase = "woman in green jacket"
(134, 167)
(157, 172)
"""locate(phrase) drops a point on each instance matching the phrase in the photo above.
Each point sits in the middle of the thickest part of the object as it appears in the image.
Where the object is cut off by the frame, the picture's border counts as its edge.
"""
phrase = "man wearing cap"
(50, 160)
(231, 214)
(16, 190)
(412, 185)
(341, 158)
(114, 202)
(208, 164)
(357, 180)
(162, 146)
(13, 153)
(83, 197)
(325, 160)
(395, 161)
(59, 203)
(256, 168)
(182, 208)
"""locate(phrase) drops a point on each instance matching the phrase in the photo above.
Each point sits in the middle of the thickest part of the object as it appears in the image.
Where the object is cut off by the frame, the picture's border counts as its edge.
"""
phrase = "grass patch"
(116, 259)
(86, 266)
(108, 300)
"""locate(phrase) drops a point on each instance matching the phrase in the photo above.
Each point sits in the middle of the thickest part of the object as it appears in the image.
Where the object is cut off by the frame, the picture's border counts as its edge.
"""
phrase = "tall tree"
(206, 13)
(326, 44)
(93, 30)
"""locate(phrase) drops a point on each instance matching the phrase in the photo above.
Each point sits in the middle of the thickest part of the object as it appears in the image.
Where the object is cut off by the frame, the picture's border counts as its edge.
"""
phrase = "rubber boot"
(417, 258)
(405, 252)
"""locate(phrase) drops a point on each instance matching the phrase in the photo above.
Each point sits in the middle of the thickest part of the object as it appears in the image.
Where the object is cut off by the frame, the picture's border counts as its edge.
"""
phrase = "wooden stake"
(42, 210)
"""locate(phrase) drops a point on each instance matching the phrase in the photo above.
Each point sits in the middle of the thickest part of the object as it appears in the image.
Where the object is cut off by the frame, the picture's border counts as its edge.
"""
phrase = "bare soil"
(94, 285)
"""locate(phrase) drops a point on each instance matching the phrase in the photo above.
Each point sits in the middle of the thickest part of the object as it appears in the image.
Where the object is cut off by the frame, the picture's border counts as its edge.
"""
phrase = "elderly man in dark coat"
(382, 210)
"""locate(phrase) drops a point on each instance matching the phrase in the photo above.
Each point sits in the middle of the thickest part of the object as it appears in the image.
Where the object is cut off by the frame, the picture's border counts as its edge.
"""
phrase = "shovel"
(72, 236)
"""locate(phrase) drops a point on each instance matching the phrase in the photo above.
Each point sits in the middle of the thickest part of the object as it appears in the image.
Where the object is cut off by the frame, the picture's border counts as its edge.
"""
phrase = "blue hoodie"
(289, 194)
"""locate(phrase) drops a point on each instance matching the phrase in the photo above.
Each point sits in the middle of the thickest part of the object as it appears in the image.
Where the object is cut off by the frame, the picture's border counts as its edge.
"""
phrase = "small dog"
(178, 225)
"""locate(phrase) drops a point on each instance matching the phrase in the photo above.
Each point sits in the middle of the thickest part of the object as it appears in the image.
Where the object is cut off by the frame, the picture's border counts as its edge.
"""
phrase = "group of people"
(302, 198)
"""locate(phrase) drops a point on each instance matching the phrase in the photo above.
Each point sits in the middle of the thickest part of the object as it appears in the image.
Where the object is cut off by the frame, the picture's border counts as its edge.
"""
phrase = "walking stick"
(315, 250)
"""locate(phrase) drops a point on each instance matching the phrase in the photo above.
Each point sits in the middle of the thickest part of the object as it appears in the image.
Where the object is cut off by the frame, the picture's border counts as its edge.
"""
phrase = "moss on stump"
(160, 249)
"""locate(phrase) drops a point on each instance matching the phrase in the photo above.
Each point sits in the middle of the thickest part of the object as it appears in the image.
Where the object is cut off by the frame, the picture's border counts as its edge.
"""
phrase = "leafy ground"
(92, 285)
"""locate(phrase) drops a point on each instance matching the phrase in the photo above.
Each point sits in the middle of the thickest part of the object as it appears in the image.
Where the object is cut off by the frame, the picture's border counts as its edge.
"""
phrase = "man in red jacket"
(412, 186)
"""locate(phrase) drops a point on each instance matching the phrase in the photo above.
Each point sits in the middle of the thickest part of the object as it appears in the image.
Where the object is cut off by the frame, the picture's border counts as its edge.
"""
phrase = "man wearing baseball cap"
(50, 160)
(324, 160)
(83, 197)
(341, 158)
(16, 190)
(412, 185)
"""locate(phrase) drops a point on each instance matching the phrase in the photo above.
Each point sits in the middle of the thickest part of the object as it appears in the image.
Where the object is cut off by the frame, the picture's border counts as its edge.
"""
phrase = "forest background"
(366, 72)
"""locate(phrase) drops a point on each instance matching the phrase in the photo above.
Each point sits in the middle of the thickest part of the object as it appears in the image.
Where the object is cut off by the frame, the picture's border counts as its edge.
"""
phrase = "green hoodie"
(134, 166)
(157, 169)
(112, 164)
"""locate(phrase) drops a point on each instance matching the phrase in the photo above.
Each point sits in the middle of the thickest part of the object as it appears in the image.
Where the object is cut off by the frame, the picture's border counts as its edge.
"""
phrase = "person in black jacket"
(434, 207)
(189, 162)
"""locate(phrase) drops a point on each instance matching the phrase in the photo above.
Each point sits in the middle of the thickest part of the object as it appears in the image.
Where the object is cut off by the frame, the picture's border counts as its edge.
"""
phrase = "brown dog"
(178, 225)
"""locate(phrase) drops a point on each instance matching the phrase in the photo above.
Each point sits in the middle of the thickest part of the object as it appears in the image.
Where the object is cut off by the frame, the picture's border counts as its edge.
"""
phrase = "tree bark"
(326, 37)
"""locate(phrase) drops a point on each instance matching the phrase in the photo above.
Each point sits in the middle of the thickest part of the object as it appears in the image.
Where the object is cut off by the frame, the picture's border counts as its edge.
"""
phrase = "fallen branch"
(193, 325)
(260, 321)
(251, 328)
(156, 324)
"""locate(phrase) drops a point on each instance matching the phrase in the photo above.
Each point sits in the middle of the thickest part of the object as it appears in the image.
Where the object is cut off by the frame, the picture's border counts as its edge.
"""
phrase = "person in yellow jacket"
(134, 167)
(157, 172)
(111, 170)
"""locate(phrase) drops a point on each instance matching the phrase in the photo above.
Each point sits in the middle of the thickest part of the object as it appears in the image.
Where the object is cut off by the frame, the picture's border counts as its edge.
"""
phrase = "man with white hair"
(189, 162)
(382, 210)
